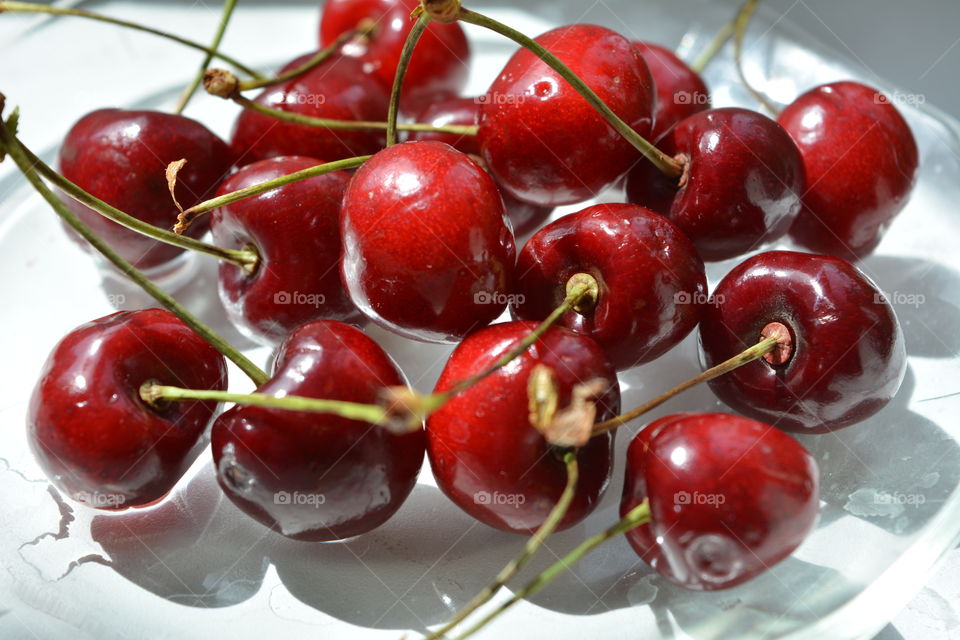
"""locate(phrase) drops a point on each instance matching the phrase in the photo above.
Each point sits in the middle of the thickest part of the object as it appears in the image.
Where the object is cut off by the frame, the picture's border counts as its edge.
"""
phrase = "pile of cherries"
(420, 239)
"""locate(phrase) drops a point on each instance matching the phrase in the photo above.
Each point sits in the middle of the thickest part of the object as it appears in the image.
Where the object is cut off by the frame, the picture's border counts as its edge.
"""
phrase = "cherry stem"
(186, 218)
(423, 19)
(245, 259)
(191, 89)
(669, 166)
(708, 54)
(29, 7)
(757, 351)
(154, 393)
(636, 517)
(534, 543)
(741, 22)
(23, 162)
(348, 125)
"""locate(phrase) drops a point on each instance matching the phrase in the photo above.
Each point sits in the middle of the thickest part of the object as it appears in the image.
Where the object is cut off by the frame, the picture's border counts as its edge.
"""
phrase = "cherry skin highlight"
(681, 92)
(652, 282)
(485, 454)
(847, 355)
(87, 426)
(861, 164)
(313, 476)
(120, 156)
(729, 498)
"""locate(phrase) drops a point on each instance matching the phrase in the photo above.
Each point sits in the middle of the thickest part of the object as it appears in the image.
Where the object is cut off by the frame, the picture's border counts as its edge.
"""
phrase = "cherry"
(542, 141)
(91, 433)
(681, 92)
(652, 282)
(427, 250)
(295, 230)
(847, 357)
(524, 216)
(440, 62)
(337, 89)
(861, 164)
(120, 156)
(318, 477)
(485, 454)
(729, 497)
(743, 186)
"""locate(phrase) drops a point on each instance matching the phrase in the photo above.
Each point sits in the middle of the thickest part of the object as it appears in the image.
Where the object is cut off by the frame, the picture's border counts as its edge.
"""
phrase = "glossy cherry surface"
(744, 185)
(848, 353)
(427, 250)
(652, 282)
(295, 231)
(861, 163)
(524, 217)
(94, 437)
(729, 497)
(485, 454)
(681, 92)
(121, 156)
(440, 62)
(337, 89)
(542, 141)
(315, 476)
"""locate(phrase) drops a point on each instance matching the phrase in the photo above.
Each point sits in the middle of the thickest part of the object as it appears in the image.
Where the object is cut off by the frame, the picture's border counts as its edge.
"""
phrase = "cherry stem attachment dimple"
(191, 89)
(741, 22)
(423, 19)
(13, 149)
(766, 345)
(667, 165)
(634, 518)
(533, 544)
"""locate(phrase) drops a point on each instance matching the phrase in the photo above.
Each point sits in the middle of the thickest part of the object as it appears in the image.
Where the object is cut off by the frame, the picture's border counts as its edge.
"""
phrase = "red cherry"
(93, 436)
(121, 157)
(652, 282)
(295, 230)
(743, 187)
(729, 497)
(439, 65)
(318, 477)
(543, 142)
(861, 163)
(485, 454)
(524, 216)
(681, 92)
(427, 249)
(337, 89)
(847, 357)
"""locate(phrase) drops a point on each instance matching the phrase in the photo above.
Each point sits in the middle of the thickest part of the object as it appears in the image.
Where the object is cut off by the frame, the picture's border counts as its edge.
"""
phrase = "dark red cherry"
(427, 250)
(541, 140)
(524, 217)
(337, 89)
(93, 436)
(121, 157)
(744, 184)
(861, 163)
(295, 231)
(652, 282)
(681, 92)
(311, 476)
(847, 356)
(485, 454)
(729, 497)
(439, 65)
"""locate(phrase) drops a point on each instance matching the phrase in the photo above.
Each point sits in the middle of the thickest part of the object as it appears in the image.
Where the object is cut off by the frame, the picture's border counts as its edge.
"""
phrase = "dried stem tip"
(405, 409)
(443, 11)
(221, 83)
(782, 352)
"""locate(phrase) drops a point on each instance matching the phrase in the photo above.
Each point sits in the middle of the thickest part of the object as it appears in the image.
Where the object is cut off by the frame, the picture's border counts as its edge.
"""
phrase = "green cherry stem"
(30, 7)
(423, 19)
(721, 38)
(636, 517)
(741, 22)
(663, 162)
(161, 296)
(245, 259)
(533, 545)
(191, 89)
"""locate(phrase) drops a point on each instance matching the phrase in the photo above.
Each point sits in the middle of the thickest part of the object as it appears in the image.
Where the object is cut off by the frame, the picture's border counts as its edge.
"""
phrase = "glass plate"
(194, 567)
